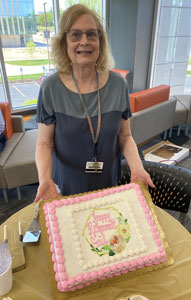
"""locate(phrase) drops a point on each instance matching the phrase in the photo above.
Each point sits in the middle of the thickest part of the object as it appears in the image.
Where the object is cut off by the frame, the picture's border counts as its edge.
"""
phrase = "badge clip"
(94, 166)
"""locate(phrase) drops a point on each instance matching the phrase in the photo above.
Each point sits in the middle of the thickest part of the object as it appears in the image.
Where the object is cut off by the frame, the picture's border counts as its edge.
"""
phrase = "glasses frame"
(82, 33)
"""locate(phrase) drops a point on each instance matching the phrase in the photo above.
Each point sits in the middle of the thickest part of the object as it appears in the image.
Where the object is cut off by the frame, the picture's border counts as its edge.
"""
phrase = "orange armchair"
(152, 113)
(122, 72)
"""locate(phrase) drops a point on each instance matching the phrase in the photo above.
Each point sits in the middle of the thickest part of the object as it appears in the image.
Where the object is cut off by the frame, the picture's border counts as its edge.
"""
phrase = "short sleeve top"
(73, 145)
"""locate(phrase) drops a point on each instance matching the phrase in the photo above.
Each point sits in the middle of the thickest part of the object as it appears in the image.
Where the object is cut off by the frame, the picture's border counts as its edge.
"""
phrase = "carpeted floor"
(29, 192)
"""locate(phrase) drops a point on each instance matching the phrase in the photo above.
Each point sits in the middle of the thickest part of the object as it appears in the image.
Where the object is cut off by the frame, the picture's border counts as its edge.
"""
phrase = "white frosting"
(73, 218)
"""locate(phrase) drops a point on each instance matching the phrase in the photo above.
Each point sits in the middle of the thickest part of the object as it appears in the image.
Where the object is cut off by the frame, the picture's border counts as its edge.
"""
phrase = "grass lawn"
(42, 28)
(24, 77)
(29, 102)
(31, 62)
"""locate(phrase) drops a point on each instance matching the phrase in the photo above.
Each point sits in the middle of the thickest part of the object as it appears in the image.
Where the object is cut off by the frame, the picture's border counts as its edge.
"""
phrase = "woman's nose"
(84, 38)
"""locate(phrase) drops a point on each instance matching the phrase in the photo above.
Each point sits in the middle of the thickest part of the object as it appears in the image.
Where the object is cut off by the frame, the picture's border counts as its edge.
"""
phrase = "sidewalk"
(24, 70)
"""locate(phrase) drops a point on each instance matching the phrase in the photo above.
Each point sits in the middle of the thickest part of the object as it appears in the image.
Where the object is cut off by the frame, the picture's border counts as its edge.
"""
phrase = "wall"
(145, 18)
(131, 49)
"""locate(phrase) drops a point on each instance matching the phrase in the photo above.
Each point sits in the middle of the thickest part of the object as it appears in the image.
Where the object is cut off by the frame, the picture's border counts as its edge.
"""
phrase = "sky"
(39, 7)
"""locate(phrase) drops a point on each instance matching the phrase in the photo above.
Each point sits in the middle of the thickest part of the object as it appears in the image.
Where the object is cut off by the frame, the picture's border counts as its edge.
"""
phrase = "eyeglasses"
(76, 35)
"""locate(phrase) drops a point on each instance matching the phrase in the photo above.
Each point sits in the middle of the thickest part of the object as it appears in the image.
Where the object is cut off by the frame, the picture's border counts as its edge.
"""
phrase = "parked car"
(47, 73)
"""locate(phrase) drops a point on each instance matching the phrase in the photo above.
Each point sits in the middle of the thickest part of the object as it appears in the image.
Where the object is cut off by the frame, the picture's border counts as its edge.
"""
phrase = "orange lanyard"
(94, 138)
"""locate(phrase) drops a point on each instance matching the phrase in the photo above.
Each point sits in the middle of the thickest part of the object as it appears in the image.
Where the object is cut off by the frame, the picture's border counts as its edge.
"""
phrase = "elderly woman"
(83, 113)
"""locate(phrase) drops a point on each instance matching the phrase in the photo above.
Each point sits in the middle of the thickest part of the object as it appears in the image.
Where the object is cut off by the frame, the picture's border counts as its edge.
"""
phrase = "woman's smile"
(85, 53)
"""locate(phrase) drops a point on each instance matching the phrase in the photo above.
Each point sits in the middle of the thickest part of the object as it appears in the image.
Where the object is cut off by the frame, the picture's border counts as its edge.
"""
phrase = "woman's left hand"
(141, 175)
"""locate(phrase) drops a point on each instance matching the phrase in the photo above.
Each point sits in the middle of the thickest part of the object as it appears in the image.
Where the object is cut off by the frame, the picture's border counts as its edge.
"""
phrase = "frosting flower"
(117, 243)
(123, 230)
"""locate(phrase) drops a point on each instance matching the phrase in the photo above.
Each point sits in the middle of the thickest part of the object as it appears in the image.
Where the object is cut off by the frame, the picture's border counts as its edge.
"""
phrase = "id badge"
(94, 167)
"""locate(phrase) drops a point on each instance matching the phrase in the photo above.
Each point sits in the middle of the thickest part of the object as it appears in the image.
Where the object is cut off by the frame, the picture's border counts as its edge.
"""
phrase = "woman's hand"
(141, 175)
(46, 190)
(130, 152)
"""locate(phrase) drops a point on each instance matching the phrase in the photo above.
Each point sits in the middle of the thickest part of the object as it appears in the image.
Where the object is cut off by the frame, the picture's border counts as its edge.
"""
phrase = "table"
(170, 283)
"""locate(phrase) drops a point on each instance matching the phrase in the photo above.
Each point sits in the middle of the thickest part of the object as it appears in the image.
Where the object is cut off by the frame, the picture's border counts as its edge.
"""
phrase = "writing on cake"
(106, 231)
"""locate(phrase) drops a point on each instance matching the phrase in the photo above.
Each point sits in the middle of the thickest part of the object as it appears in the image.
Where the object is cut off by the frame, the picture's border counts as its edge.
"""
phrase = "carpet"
(178, 140)
(28, 194)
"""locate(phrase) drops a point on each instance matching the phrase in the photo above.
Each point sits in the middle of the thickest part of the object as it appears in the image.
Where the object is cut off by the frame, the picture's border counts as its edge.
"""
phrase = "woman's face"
(85, 51)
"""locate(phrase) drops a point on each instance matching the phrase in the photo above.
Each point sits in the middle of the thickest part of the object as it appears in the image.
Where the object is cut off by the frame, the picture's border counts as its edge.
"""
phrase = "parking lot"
(21, 92)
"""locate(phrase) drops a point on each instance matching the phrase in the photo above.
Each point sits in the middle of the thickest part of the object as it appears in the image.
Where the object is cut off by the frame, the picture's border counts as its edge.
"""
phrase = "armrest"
(18, 123)
(153, 120)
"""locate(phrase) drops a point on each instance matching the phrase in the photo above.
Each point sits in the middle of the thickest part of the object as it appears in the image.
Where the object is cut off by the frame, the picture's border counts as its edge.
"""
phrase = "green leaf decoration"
(120, 214)
(120, 221)
(106, 247)
(111, 253)
(127, 240)
(125, 220)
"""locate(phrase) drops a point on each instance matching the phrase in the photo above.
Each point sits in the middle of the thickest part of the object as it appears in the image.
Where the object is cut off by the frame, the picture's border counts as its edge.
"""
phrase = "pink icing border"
(64, 283)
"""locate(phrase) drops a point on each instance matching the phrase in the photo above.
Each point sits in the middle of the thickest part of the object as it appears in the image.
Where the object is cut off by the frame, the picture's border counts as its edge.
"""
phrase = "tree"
(92, 4)
(30, 47)
(40, 19)
(49, 18)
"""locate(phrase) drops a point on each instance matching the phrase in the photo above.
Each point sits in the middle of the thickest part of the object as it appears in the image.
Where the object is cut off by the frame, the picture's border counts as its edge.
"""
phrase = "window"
(172, 47)
(24, 50)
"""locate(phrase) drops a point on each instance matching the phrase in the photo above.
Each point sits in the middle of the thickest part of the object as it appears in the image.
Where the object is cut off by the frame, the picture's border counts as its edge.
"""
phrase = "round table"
(169, 283)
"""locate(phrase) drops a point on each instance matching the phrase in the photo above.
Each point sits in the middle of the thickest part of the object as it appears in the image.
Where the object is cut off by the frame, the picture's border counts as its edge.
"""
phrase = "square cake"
(102, 234)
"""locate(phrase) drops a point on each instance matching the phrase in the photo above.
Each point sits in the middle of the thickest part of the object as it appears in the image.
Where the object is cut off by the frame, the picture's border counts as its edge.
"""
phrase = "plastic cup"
(6, 281)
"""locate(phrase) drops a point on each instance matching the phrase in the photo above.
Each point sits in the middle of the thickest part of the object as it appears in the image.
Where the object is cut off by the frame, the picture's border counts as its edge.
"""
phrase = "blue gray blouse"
(72, 139)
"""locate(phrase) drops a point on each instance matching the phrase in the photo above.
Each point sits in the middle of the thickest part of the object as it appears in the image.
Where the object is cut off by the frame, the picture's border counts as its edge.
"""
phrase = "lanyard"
(94, 137)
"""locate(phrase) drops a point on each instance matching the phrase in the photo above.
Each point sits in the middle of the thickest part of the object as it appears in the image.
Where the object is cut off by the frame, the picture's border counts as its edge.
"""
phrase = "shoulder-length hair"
(59, 45)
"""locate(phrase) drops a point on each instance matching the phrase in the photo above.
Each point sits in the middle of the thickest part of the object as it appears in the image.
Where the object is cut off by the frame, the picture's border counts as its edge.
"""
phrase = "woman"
(83, 113)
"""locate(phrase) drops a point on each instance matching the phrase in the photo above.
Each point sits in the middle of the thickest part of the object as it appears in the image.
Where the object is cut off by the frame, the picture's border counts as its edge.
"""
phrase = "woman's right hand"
(46, 190)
